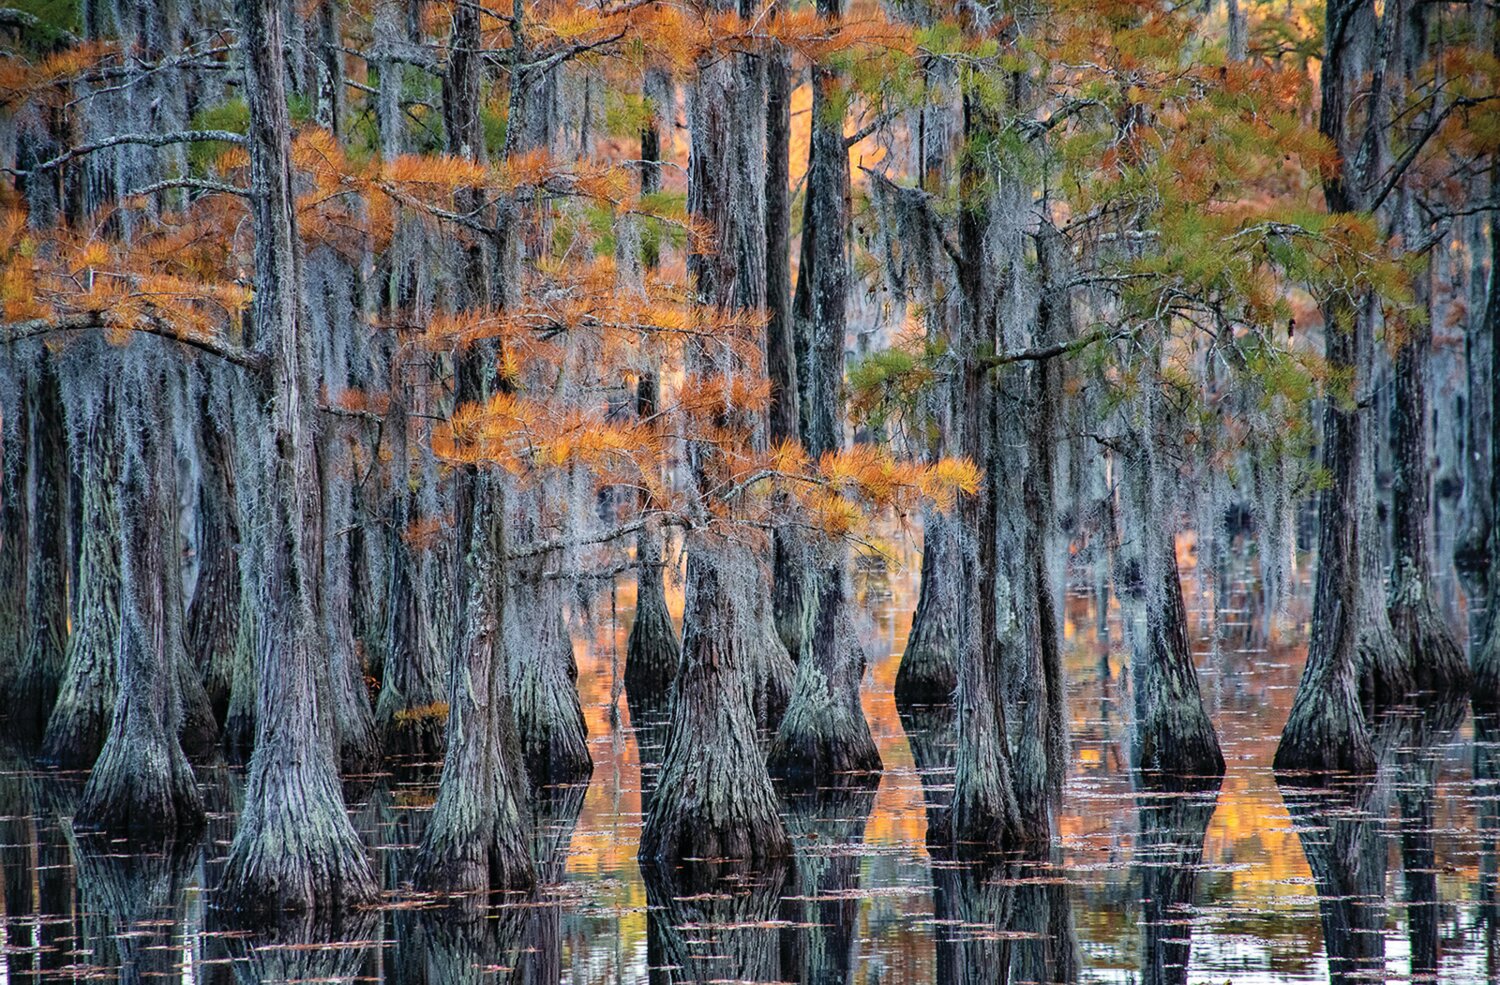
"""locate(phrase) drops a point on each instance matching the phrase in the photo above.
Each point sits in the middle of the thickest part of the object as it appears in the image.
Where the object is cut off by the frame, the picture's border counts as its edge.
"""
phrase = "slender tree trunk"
(14, 552)
(1485, 661)
(213, 616)
(985, 815)
(1327, 728)
(824, 732)
(142, 787)
(1432, 655)
(295, 849)
(781, 355)
(80, 721)
(652, 652)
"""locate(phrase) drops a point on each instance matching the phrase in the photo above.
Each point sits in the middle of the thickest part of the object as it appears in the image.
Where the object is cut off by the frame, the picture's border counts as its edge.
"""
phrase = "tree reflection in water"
(1168, 857)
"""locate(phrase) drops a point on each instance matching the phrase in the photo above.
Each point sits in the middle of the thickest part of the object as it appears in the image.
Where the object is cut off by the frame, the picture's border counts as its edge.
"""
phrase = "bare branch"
(13, 332)
(144, 139)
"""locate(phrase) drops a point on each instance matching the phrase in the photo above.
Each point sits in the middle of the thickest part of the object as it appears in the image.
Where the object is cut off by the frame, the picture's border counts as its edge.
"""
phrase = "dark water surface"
(1244, 885)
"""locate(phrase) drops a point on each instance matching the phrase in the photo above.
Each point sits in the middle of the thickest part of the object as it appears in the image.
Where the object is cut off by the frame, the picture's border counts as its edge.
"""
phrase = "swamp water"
(1244, 885)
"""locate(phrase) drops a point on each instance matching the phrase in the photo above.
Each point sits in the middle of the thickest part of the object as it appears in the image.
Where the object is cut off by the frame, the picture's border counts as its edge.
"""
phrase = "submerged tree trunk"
(478, 840)
(47, 556)
(81, 718)
(295, 849)
(824, 736)
(820, 940)
(1432, 655)
(1346, 853)
(1327, 728)
(1169, 856)
(928, 674)
(142, 786)
(543, 677)
(713, 798)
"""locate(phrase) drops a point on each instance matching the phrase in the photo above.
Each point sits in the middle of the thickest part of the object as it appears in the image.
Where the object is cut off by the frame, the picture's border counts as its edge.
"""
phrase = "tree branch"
(146, 139)
(13, 332)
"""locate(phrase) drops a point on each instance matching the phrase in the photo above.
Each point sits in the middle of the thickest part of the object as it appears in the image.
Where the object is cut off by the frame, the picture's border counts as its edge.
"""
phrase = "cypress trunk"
(14, 553)
(213, 615)
(543, 676)
(652, 651)
(824, 737)
(408, 712)
(1485, 661)
(1327, 728)
(477, 840)
(48, 562)
(985, 815)
(80, 721)
(295, 849)
(928, 674)
(713, 798)
(142, 787)
(823, 733)
(1432, 655)
(353, 721)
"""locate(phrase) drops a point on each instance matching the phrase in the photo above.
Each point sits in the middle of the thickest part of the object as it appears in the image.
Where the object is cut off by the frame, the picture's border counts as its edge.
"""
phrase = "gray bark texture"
(295, 849)
(142, 787)
(48, 562)
(80, 720)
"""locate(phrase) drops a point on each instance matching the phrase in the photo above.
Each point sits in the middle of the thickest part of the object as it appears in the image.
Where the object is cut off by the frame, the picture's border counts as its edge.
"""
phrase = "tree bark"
(15, 525)
(47, 553)
(141, 787)
(478, 838)
(985, 816)
(80, 720)
(295, 849)
(713, 798)
(1434, 662)
(543, 677)
(1327, 728)
(213, 615)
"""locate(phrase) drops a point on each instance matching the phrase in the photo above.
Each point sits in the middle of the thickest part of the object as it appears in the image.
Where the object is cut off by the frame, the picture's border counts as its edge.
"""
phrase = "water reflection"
(1173, 825)
(1249, 882)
